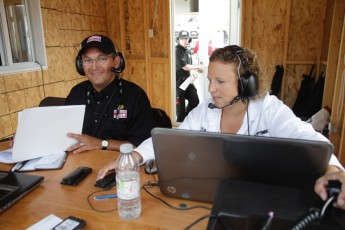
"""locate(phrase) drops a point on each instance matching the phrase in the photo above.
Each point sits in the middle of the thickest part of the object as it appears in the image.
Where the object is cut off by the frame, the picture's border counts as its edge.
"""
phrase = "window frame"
(35, 22)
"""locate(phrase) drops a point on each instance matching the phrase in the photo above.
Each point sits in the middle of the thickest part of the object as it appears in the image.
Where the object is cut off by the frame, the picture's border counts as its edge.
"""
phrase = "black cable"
(197, 221)
(92, 207)
(155, 183)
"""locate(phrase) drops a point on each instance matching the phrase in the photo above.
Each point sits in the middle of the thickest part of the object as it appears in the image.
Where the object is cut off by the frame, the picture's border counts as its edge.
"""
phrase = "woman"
(240, 104)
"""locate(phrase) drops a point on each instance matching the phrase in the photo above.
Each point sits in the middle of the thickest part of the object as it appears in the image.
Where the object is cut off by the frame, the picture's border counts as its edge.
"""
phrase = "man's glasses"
(99, 60)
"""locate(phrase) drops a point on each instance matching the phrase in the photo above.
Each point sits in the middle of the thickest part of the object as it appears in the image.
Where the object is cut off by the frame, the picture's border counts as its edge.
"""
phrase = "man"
(183, 68)
(117, 111)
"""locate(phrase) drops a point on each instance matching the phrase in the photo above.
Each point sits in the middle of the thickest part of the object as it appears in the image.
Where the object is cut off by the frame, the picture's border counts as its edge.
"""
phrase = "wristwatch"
(105, 144)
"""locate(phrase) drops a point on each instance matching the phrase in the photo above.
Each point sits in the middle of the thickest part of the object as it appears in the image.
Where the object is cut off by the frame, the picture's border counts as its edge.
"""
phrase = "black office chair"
(52, 101)
(161, 119)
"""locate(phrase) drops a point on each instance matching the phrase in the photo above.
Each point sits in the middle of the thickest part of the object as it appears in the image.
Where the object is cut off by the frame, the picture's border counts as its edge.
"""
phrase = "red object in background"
(210, 48)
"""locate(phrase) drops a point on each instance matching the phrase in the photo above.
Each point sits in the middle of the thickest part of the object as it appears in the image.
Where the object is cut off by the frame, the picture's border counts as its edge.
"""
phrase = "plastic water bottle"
(128, 184)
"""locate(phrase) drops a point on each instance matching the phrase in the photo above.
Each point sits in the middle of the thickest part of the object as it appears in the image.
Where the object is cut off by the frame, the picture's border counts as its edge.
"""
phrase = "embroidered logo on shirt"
(122, 114)
(261, 132)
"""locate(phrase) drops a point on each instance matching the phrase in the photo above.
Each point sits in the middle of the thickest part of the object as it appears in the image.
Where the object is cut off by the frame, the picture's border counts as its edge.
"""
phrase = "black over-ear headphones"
(119, 69)
(248, 84)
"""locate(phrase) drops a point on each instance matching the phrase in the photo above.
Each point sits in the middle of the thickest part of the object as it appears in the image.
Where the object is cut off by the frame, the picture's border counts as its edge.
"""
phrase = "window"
(22, 46)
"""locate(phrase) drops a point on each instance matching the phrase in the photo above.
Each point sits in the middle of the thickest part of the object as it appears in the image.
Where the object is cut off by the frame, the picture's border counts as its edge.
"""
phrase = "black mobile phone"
(70, 223)
(76, 176)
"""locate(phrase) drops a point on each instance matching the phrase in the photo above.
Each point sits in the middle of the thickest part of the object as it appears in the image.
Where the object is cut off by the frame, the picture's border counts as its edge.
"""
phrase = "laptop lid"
(191, 163)
(14, 186)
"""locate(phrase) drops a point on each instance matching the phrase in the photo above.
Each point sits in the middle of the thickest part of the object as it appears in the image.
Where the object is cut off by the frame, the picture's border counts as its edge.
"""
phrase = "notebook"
(53, 161)
(14, 186)
(191, 163)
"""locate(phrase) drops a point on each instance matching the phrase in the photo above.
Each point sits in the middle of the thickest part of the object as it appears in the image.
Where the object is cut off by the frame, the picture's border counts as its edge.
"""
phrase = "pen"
(18, 166)
(268, 221)
(104, 197)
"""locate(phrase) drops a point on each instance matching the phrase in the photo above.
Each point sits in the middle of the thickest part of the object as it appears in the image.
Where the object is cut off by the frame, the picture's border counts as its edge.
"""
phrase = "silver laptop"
(192, 163)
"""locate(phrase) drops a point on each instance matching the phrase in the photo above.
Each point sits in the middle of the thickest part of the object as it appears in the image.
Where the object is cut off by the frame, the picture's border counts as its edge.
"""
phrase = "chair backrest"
(161, 119)
(52, 101)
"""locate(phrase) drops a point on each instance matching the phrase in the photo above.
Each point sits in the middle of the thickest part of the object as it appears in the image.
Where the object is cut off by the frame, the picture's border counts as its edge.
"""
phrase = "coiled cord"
(312, 216)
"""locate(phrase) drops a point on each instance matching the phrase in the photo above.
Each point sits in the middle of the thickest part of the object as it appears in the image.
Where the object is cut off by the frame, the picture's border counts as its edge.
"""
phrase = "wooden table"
(53, 198)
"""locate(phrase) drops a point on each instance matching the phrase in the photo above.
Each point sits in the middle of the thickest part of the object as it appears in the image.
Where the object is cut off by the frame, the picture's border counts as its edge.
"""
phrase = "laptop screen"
(191, 163)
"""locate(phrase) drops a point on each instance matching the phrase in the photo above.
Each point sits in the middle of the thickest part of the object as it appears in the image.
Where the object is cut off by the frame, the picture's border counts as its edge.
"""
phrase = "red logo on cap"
(94, 39)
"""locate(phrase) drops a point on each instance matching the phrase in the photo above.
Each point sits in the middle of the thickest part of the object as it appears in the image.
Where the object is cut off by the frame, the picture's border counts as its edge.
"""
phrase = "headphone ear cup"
(122, 64)
(248, 85)
(79, 66)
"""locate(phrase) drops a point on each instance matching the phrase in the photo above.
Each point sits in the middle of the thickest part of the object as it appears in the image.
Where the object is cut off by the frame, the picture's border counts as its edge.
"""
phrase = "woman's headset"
(79, 62)
(248, 84)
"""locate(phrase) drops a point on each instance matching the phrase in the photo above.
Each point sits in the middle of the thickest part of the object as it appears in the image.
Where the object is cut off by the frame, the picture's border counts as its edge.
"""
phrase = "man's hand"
(85, 142)
(322, 183)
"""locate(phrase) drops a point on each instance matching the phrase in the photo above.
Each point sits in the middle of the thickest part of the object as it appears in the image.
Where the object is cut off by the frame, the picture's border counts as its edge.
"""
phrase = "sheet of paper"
(46, 223)
(43, 131)
(188, 81)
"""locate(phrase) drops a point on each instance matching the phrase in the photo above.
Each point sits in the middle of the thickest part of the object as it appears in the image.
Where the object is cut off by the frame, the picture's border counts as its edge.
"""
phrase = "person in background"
(183, 68)
(117, 111)
(241, 104)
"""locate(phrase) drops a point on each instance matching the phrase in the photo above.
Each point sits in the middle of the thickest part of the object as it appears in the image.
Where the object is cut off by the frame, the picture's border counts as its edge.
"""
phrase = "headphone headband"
(248, 84)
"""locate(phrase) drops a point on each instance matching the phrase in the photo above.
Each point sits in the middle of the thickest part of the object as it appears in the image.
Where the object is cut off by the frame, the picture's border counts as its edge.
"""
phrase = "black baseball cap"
(101, 42)
(183, 34)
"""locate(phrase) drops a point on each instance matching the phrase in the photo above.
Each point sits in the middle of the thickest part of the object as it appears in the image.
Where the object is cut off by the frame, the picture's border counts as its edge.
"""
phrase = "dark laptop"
(192, 163)
(14, 186)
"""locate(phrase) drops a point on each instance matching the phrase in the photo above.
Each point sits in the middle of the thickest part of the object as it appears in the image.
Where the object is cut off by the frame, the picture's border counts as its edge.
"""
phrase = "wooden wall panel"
(305, 20)
(158, 20)
(2, 85)
(338, 104)
(294, 77)
(136, 72)
(267, 34)
(4, 110)
(6, 128)
(134, 29)
(161, 85)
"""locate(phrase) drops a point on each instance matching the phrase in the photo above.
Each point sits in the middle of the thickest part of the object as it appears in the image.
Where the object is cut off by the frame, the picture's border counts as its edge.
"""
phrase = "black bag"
(161, 119)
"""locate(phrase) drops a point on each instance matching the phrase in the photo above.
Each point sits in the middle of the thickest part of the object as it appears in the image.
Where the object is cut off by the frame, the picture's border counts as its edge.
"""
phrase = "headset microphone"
(233, 101)
(211, 106)
(112, 69)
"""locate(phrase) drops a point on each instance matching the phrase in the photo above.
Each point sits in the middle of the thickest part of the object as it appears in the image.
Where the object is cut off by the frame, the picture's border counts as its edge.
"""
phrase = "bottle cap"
(126, 148)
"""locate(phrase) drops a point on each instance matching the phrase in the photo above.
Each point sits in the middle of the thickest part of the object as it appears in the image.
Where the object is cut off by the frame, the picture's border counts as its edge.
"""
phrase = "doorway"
(211, 25)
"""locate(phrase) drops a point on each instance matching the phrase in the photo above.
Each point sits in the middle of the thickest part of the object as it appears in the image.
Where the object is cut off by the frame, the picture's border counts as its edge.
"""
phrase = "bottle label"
(127, 190)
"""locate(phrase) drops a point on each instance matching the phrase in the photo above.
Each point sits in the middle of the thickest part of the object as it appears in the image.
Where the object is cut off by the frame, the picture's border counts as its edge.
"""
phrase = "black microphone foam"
(211, 106)
(112, 69)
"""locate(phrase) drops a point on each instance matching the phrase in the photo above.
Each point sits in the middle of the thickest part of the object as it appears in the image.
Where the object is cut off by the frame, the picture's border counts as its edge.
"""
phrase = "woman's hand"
(322, 183)
(105, 169)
